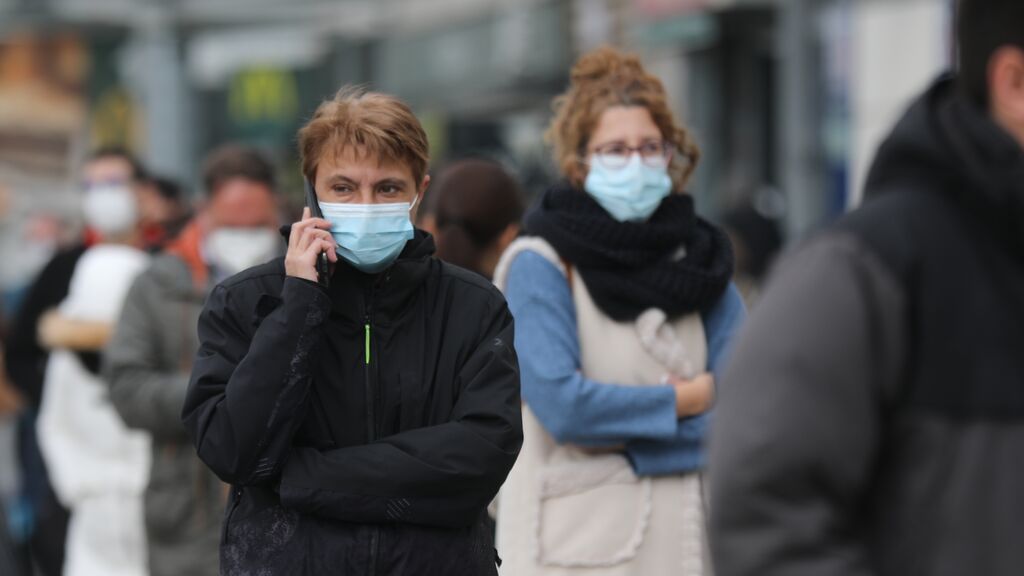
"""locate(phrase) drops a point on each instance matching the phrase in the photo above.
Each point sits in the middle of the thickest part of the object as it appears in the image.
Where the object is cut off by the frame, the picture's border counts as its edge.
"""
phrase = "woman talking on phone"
(624, 311)
(364, 420)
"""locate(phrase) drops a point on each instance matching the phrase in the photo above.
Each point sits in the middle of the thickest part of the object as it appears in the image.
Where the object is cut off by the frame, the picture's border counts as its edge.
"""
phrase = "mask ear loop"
(413, 205)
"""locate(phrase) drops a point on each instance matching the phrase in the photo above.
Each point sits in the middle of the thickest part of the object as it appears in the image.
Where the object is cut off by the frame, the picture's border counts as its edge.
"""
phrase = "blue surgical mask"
(630, 193)
(370, 236)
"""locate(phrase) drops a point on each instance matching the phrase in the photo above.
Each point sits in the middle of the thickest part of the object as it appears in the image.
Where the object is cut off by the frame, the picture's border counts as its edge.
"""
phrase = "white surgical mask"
(631, 193)
(110, 209)
(370, 237)
(232, 250)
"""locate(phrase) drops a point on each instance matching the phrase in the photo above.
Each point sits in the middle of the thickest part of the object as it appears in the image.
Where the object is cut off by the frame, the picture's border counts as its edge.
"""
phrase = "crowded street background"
(151, 150)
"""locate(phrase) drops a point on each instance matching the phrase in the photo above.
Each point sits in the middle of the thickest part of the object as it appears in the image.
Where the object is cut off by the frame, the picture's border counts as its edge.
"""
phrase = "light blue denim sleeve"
(574, 409)
(685, 452)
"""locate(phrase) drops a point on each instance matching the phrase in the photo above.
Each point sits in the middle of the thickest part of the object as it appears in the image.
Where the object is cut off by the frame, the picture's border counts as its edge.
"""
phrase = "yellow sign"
(114, 119)
(263, 95)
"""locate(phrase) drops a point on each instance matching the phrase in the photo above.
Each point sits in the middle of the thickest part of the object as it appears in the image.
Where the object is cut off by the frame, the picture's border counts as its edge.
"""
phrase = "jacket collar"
(382, 297)
(187, 247)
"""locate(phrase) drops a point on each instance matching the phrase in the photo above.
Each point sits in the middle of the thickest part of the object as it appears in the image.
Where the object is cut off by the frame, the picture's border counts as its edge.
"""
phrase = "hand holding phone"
(311, 247)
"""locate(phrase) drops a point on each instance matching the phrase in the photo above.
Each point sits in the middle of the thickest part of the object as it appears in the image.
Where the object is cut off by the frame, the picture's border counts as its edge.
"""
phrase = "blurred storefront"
(787, 97)
(43, 111)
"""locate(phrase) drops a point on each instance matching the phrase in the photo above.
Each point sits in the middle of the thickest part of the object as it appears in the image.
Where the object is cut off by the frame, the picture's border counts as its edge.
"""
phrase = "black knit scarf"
(630, 267)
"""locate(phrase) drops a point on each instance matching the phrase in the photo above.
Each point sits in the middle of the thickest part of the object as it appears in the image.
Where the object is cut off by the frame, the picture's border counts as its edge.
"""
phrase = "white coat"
(98, 467)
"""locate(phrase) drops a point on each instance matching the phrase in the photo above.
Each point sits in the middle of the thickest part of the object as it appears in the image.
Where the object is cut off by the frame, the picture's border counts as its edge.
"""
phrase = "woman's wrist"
(693, 396)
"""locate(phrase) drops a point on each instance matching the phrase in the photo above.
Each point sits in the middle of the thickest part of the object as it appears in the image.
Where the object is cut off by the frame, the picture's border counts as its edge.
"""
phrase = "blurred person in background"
(11, 401)
(473, 211)
(756, 240)
(98, 467)
(154, 344)
(365, 415)
(40, 235)
(10, 563)
(165, 211)
(12, 556)
(624, 312)
(106, 176)
(872, 419)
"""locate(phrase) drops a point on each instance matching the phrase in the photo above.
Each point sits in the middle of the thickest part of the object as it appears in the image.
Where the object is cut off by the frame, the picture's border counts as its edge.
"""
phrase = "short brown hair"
(235, 161)
(603, 79)
(380, 125)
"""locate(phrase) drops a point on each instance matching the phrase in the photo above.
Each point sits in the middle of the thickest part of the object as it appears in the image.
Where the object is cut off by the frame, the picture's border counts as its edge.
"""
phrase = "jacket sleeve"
(686, 451)
(797, 427)
(443, 475)
(144, 393)
(572, 408)
(248, 390)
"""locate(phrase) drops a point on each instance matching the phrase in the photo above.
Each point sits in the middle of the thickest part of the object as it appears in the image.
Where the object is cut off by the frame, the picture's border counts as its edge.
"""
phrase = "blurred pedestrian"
(98, 467)
(149, 359)
(165, 210)
(624, 312)
(474, 211)
(365, 413)
(756, 241)
(10, 563)
(13, 559)
(104, 205)
(11, 401)
(871, 421)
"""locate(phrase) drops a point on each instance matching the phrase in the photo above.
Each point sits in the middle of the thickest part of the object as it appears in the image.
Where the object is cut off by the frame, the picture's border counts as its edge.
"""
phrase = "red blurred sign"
(670, 7)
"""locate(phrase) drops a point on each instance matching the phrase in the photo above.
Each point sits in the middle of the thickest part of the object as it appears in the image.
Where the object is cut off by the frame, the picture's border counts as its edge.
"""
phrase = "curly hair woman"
(624, 311)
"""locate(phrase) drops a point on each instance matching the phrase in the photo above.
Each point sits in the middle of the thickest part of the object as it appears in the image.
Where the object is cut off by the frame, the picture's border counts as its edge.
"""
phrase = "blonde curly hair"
(603, 79)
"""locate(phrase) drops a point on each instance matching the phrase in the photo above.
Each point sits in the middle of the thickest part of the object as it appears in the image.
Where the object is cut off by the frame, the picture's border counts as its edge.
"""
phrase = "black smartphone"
(323, 270)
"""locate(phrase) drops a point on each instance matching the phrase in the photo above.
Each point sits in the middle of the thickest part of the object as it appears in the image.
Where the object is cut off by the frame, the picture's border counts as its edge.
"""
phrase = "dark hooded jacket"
(364, 427)
(872, 420)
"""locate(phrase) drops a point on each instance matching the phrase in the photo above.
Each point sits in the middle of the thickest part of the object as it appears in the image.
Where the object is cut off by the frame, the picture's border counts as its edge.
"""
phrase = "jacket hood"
(947, 145)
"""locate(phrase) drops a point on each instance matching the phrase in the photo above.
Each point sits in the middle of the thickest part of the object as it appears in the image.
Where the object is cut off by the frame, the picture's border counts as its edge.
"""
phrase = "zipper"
(371, 416)
(367, 353)
(371, 406)
(368, 378)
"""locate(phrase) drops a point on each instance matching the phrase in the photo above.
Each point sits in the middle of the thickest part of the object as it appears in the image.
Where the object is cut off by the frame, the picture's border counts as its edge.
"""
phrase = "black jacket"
(364, 428)
(26, 358)
(872, 419)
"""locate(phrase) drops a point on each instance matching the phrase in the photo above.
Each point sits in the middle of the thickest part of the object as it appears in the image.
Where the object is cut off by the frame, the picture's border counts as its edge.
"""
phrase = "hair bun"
(606, 63)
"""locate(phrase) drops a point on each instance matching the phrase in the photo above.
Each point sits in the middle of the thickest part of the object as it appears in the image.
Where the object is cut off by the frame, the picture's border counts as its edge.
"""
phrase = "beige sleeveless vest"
(568, 511)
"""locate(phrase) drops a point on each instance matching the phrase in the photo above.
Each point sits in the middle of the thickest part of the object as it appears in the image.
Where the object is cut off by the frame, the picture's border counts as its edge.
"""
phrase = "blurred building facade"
(787, 97)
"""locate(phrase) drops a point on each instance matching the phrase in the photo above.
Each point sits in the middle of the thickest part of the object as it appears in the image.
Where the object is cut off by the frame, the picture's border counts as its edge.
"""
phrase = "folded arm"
(248, 390)
(572, 408)
(685, 452)
(441, 475)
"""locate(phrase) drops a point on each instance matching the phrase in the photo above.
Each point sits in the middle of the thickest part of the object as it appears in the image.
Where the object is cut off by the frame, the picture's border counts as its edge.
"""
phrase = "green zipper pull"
(367, 343)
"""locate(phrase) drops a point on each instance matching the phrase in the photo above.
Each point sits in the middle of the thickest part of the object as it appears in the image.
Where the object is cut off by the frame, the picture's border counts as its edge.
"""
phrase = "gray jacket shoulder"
(797, 422)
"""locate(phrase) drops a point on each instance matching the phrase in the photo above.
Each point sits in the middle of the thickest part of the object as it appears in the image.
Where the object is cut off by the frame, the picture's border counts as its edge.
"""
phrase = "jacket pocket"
(595, 487)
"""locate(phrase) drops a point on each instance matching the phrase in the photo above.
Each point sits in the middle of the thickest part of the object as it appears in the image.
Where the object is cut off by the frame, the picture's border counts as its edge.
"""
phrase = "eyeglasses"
(615, 156)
